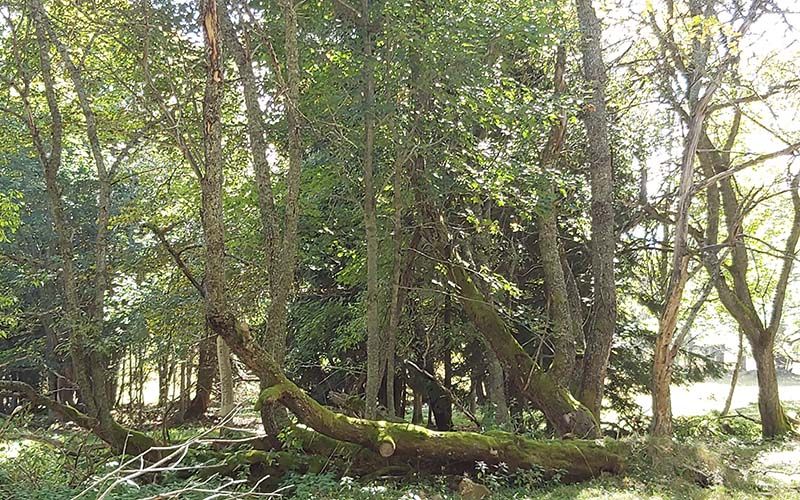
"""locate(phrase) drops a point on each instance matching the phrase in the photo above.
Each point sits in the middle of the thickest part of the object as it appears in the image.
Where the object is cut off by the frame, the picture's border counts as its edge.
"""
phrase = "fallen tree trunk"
(454, 452)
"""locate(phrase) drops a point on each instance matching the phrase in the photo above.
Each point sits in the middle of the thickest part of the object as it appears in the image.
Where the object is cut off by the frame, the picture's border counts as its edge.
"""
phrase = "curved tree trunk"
(568, 416)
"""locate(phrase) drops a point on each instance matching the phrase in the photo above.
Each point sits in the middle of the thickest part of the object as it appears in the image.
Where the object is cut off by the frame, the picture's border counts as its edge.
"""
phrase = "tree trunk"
(450, 451)
(664, 352)
(396, 305)
(206, 373)
(225, 377)
(282, 279)
(164, 377)
(183, 387)
(550, 248)
(774, 422)
(735, 375)
(374, 349)
(661, 425)
(497, 389)
(598, 339)
(416, 415)
(472, 405)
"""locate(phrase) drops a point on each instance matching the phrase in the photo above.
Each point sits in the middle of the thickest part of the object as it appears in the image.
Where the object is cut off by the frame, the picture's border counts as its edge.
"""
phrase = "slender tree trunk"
(735, 375)
(664, 352)
(416, 415)
(497, 389)
(549, 246)
(370, 221)
(598, 342)
(163, 380)
(395, 307)
(282, 282)
(225, 377)
(183, 387)
(243, 56)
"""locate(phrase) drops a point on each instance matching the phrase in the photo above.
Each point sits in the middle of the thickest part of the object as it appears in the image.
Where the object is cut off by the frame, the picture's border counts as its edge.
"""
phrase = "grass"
(711, 458)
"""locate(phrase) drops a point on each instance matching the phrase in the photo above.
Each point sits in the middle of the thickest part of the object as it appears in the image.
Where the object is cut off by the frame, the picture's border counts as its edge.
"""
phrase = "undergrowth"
(711, 457)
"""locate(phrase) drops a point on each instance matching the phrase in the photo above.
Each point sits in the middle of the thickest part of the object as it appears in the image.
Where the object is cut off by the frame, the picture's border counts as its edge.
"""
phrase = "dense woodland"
(398, 237)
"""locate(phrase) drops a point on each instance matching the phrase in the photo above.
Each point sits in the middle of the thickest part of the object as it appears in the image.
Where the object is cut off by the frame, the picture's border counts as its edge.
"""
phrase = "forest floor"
(711, 458)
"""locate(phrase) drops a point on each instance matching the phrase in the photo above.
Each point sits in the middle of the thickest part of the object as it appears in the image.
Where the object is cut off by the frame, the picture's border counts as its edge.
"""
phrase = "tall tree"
(699, 74)
(549, 245)
(374, 348)
(595, 118)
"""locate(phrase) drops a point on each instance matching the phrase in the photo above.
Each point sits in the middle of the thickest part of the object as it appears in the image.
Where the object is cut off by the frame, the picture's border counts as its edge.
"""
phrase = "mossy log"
(450, 452)
(446, 451)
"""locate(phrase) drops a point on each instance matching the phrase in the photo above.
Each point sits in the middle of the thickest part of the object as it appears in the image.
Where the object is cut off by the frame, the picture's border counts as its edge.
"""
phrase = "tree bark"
(416, 412)
(598, 340)
(774, 422)
(206, 374)
(663, 352)
(282, 282)
(450, 451)
(396, 304)
(225, 377)
(497, 388)
(374, 350)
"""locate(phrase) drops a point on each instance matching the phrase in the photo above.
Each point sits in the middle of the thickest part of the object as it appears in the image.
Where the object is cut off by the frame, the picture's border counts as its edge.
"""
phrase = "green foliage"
(308, 486)
(715, 426)
(9, 214)
(32, 470)
(500, 477)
